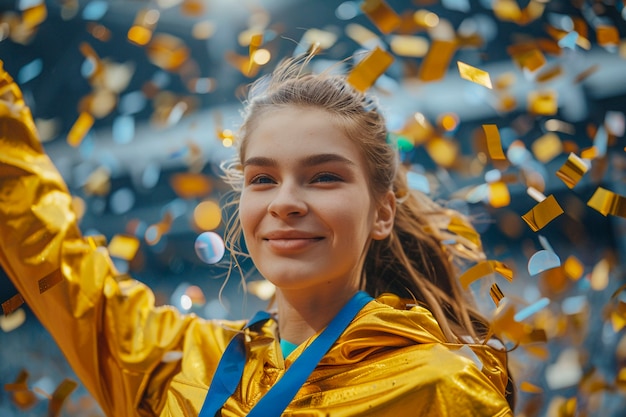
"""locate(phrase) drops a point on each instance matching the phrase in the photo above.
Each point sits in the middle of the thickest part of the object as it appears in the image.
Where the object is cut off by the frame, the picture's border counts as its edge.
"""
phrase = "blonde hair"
(413, 261)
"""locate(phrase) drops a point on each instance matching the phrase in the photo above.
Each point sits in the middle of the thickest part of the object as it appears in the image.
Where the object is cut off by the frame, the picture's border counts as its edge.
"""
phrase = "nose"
(287, 201)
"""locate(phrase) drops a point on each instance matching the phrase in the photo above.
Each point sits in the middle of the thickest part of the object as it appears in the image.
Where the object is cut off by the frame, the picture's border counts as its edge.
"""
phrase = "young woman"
(326, 215)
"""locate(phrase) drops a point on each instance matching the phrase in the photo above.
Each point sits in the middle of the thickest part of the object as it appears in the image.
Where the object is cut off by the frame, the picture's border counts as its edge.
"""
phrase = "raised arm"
(106, 325)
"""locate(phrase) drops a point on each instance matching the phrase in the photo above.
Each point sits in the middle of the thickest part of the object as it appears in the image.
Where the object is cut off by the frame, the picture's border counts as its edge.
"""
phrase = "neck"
(303, 313)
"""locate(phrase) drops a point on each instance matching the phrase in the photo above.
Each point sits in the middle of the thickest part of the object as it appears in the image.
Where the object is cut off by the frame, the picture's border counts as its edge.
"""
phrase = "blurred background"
(510, 111)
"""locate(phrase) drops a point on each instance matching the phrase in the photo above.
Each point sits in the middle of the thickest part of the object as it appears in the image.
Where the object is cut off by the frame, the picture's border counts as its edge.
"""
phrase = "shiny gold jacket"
(140, 360)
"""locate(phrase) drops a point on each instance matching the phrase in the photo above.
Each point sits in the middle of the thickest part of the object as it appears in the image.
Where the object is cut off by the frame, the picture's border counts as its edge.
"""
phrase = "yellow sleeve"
(109, 330)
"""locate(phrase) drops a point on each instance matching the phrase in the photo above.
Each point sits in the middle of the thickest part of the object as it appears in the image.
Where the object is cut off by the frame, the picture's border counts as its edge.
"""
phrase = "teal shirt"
(287, 347)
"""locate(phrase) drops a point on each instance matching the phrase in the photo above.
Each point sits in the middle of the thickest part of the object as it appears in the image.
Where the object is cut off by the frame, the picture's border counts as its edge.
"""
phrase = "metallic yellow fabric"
(141, 360)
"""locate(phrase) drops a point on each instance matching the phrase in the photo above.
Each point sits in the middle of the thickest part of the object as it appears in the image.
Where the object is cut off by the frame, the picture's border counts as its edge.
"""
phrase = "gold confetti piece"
(569, 146)
(139, 35)
(474, 75)
(99, 103)
(533, 10)
(550, 74)
(203, 30)
(98, 31)
(20, 383)
(542, 102)
(448, 121)
(484, 268)
(572, 171)
(607, 35)
(530, 60)
(506, 103)
(141, 31)
(530, 388)
(618, 317)
(543, 213)
(472, 40)
(580, 26)
(50, 281)
(256, 40)
(381, 14)
(360, 34)
(547, 147)
(599, 277)
(443, 151)
(621, 376)
(607, 202)
(494, 143)
(573, 268)
(417, 129)
(167, 52)
(80, 128)
(114, 77)
(459, 227)
(504, 81)
(207, 215)
(12, 304)
(12, 321)
(499, 195)
(98, 182)
(496, 294)
(507, 10)
(540, 352)
(69, 8)
(124, 247)
(536, 195)
(189, 185)
(242, 63)
(60, 394)
(192, 8)
(586, 73)
(555, 125)
(437, 60)
(425, 19)
(503, 324)
(366, 72)
(535, 336)
(34, 16)
(589, 153)
(21, 396)
(410, 46)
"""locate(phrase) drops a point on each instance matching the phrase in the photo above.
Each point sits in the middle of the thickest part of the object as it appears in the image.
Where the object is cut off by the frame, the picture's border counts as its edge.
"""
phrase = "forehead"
(298, 130)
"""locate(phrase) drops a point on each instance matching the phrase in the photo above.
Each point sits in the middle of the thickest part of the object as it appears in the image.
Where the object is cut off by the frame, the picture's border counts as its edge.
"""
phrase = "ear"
(384, 217)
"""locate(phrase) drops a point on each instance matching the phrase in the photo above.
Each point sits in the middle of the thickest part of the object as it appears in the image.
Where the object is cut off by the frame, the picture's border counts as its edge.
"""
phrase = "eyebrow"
(311, 160)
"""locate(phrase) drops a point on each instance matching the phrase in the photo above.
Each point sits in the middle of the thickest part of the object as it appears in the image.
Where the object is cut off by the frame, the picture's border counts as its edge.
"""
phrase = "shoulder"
(407, 336)
(398, 317)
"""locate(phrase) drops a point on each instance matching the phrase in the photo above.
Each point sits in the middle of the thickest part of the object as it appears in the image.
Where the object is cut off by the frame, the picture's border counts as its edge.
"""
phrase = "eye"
(326, 177)
(261, 179)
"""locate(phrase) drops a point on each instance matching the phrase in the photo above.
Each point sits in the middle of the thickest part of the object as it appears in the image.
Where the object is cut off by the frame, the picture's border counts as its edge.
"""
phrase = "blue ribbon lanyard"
(273, 403)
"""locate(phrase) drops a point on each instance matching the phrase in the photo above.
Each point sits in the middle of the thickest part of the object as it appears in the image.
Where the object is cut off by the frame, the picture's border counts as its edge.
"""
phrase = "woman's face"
(306, 210)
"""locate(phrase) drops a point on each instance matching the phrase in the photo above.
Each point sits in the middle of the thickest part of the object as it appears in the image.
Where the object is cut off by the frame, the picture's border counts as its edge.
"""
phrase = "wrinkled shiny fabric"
(140, 360)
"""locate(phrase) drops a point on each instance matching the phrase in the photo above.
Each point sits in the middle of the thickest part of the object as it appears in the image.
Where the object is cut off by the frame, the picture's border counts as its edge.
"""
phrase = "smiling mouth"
(291, 243)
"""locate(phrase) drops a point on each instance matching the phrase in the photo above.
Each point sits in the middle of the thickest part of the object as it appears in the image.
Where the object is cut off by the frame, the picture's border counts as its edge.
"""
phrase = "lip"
(290, 240)
(290, 234)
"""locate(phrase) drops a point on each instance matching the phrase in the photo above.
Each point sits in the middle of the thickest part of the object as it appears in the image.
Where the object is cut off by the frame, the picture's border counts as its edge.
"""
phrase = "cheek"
(353, 218)
(249, 214)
